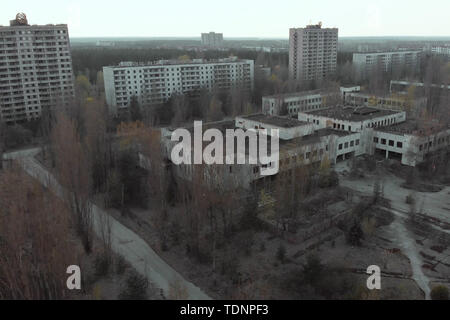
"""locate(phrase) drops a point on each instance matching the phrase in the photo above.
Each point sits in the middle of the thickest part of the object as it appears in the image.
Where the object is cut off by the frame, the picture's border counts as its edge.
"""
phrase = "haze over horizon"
(236, 19)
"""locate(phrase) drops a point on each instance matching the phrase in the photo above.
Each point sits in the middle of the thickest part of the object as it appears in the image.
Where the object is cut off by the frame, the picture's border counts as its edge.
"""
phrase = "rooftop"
(297, 94)
(353, 113)
(276, 120)
(384, 52)
(127, 64)
(415, 127)
(311, 139)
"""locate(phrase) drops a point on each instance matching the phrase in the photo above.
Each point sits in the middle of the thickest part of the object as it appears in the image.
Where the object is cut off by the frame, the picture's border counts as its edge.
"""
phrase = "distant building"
(385, 62)
(212, 39)
(345, 90)
(263, 71)
(403, 85)
(155, 82)
(444, 50)
(293, 103)
(103, 43)
(397, 101)
(35, 69)
(312, 52)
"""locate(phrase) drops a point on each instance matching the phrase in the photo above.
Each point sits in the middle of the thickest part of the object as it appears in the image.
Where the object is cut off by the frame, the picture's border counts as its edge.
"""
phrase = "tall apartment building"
(155, 82)
(35, 69)
(212, 39)
(312, 52)
(385, 62)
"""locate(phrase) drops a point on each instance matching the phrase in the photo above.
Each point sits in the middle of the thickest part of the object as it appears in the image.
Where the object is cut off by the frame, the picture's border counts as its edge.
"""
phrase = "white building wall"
(285, 133)
(157, 82)
(35, 70)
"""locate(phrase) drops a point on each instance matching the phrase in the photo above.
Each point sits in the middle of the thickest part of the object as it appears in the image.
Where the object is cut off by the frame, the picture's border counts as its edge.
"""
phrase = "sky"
(234, 18)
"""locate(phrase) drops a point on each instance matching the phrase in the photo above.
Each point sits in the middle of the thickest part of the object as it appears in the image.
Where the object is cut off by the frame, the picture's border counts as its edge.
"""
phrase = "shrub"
(101, 265)
(439, 293)
(355, 234)
(281, 253)
(410, 199)
(121, 264)
(135, 288)
(312, 270)
(262, 246)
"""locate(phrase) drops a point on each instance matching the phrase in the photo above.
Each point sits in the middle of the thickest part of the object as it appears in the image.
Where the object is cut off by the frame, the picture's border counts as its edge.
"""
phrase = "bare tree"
(36, 243)
(72, 170)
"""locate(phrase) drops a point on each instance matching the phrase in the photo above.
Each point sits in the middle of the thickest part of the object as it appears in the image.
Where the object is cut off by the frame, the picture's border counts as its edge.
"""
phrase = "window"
(391, 143)
(375, 139)
(352, 143)
(340, 146)
(346, 145)
(383, 141)
(399, 144)
(357, 142)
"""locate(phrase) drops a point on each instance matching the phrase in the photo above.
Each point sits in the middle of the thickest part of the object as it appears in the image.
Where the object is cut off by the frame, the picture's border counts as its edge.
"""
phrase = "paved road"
(124, 241)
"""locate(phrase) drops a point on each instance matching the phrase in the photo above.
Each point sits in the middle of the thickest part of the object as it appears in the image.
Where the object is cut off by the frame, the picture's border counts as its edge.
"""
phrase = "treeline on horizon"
(89, 61)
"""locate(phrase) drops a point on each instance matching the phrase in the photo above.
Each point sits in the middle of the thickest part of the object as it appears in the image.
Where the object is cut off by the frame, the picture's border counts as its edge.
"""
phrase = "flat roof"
(312, 138)
(415, 127)
(387, 52)
(296, 94)
(276, 120)
(351, 113)
(133, 64)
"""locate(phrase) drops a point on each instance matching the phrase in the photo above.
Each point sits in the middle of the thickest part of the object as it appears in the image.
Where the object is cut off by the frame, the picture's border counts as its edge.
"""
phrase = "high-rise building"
(212, 39)
(35, 69)
(155, 82)
(312, 52)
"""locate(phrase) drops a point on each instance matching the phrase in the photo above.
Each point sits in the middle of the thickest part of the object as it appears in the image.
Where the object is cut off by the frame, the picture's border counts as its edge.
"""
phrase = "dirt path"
(434, 204)
(401, 237)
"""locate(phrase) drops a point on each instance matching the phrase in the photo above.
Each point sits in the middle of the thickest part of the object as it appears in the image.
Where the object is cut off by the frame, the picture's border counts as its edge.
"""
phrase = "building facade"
(396, 101)
(35, 69)
(385, 62)
(155, 82)
(212, 40)
(444, 50)
(293, 103)
(333, 135)
(312, 52)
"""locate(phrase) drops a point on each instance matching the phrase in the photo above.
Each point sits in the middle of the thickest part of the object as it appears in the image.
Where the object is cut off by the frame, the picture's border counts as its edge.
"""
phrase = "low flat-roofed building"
(353, 119)
(292, 103)
(288, 128)
(396, 101)
(412, 141)
(348, 89)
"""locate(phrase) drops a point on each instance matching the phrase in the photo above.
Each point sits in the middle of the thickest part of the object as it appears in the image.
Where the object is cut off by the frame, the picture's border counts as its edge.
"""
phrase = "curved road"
(123, 240)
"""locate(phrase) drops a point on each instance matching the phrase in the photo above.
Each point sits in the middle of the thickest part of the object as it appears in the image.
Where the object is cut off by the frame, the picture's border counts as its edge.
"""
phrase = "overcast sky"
(234, 18)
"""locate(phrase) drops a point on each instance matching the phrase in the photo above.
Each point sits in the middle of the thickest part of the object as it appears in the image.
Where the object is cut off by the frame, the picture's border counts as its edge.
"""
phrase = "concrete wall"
(285, 133)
